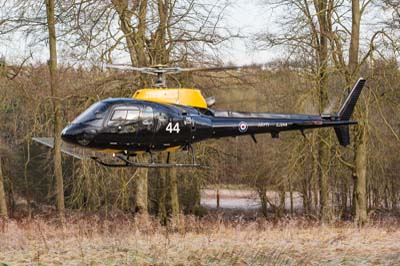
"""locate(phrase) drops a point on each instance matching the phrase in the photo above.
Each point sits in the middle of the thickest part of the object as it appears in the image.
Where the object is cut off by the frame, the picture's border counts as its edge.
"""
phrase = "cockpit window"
(95, 113)
(130, 114)
(147, 116)
(133, 115)
(119, 115)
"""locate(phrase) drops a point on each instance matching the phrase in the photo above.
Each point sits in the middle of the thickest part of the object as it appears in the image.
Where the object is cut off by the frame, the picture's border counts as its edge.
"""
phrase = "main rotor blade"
(123, 67)
(146, 70)
(176, 70)
(214, 69)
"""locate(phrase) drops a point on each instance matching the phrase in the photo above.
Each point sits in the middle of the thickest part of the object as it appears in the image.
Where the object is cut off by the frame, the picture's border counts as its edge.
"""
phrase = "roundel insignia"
(243, 127)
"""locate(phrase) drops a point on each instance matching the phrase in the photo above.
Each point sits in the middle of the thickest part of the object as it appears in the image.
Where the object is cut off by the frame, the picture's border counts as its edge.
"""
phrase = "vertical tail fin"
(346, 110)
(343, 135)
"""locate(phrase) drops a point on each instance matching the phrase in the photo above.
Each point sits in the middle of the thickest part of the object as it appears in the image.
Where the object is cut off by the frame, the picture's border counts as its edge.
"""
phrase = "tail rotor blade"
(124, 67)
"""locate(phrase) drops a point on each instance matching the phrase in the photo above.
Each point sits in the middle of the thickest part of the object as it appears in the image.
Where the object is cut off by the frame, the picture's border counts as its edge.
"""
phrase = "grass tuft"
(92, 240)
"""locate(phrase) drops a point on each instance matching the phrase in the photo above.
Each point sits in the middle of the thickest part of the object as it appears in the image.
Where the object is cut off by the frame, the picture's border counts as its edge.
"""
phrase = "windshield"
(94, 113)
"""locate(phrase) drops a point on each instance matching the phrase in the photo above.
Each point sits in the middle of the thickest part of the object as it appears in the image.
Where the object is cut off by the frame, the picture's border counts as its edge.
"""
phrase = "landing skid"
(126, 162)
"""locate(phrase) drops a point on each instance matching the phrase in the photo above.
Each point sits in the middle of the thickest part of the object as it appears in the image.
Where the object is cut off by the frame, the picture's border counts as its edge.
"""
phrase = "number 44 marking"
(171, 129)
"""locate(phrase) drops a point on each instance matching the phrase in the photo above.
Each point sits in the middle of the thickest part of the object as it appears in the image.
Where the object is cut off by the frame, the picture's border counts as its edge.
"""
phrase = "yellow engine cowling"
(189, 97)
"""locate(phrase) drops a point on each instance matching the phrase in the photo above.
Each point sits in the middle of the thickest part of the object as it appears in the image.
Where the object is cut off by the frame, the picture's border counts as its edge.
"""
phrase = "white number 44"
(171, 129)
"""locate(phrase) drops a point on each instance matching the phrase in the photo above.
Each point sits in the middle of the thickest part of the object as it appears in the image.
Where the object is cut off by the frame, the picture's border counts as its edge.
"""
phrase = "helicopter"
(161, 119)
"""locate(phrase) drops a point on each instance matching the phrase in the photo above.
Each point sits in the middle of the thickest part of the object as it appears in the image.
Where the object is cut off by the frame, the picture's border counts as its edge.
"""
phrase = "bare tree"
(56, 107)
(360, 142)
(307, 33)
(329, 36)
(351, 71)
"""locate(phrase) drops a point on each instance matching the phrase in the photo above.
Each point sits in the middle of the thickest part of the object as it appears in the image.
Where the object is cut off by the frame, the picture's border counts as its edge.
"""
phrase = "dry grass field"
(90, 240)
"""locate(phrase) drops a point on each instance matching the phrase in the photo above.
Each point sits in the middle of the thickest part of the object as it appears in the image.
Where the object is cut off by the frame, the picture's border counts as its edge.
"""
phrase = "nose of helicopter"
(77, 134)
(69, 134)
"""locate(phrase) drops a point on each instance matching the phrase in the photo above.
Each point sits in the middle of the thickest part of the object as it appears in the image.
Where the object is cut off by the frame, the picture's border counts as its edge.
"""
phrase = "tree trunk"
(56, 107)
(291, 196)
(359, 176)
(323, 148)
(351, 200)
(386, 197)
(262, 193)
(196, 195)
(369, 199)
(306, 196)
(141, 187)
(162, 194)
(325, 203)
(281, 208)
(315, 183)
(343, 208)
(360, 142)
(160, 53)
(355, 37)
(173, 187)
(393, 195)
(218, 197)
(135, 39)
(3, 203)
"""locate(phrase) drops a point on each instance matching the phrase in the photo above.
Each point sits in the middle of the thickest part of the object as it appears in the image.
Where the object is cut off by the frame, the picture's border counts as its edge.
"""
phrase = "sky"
(250, 18)
(245, 16)
(241, 16)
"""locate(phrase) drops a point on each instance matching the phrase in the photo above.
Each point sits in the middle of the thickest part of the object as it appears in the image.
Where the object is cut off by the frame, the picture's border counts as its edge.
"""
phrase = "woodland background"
(326, 45)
